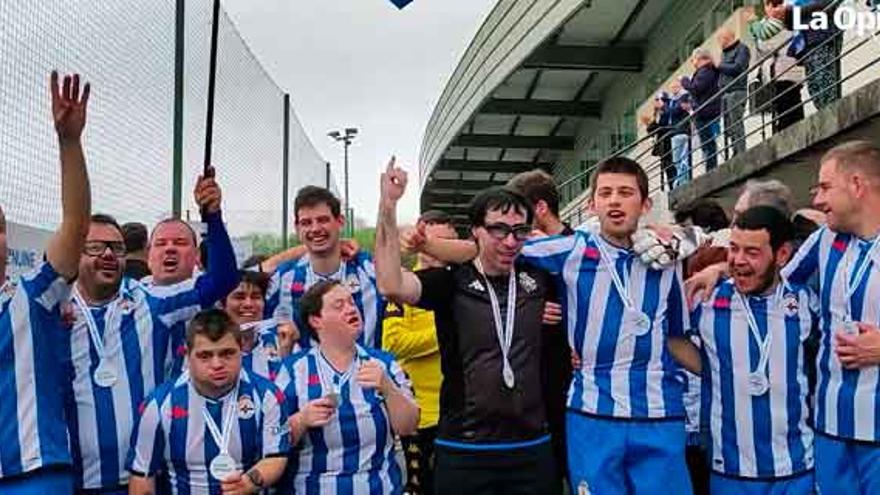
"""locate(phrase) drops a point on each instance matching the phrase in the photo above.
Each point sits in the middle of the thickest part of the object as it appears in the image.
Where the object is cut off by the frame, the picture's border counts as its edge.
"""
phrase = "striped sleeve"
(399, 376)
(276, 440)
(147, 441)
(272, 294)
(46, 286)
(805, 262)
(286, 383)
(549, 253)
(678, 320)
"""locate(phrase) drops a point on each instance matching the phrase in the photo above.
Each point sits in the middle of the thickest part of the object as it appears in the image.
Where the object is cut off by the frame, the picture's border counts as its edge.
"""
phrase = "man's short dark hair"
(706, 214)
(312, 196)
(135, 236)
(2, 221)
(257, 279)
(104, 219)
(770, 219)
(621, 165)
(435, 217)
(192, 232)
(312, 302)
(537, 185)
(212, 323)
(499, 198)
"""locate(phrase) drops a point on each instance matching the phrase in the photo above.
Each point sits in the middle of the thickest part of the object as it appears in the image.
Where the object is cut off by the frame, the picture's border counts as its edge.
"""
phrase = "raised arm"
(222, 274)
(394, 283)
(69, 115)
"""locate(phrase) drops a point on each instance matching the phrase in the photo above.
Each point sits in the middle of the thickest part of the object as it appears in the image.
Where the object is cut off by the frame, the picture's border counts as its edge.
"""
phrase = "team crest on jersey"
(527, 282)
(245, 407)
(477, 286)
(352, 283)
(790, 305)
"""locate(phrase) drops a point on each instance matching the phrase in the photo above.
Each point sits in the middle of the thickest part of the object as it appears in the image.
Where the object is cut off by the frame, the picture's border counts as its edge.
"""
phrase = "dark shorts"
(526, 471)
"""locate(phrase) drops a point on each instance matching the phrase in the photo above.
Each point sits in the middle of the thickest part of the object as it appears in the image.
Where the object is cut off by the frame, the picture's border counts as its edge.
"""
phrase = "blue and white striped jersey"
(264, 359)
(626, 372)
(756, 436)
(354, 453)
(138, 335)
(292, 279)
(171, 433)
(33, 433)
(847, 401)
(208, 287)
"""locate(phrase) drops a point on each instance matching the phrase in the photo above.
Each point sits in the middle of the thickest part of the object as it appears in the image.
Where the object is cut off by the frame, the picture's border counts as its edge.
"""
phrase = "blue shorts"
(846, 467)
(799, 485)
(40, 482)
(610, 456)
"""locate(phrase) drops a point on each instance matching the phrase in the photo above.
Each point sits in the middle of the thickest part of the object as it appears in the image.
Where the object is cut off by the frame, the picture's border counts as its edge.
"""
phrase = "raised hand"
(393, 184)
(68, 106)
(207, 192)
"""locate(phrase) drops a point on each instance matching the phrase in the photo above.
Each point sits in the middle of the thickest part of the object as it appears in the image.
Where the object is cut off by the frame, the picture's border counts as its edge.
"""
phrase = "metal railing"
(654, 165)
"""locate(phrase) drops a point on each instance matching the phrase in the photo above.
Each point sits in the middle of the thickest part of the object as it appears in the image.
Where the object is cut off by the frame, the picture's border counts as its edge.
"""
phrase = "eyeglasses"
(97, 248)
(500, 231)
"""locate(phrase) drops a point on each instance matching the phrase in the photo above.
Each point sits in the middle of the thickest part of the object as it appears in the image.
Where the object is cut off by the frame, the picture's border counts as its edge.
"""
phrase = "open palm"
(69, 106)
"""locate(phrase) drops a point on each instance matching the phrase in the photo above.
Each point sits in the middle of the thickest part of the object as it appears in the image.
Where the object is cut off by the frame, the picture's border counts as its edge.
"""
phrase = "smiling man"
(492, 435)
(319, 222)
(753, 328)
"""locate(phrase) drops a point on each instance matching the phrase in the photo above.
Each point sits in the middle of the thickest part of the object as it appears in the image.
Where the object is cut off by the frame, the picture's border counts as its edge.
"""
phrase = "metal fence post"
(285, 181)
(177, 157)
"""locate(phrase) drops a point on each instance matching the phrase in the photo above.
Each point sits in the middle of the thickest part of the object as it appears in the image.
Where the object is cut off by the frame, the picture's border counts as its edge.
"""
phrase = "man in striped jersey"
(347, 403)
(319, 222)
(173, 257)
(118, 344)
(846, 257)
(264, 344)
(216, 427)
(34, 454)
(625, 402)
(752, 329)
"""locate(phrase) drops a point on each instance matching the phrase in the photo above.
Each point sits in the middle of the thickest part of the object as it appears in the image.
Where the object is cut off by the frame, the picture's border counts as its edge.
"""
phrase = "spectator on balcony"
(818, 50)
(658, 123)
(703, 86)
(733, 68)
(783, 74)
(678, 108)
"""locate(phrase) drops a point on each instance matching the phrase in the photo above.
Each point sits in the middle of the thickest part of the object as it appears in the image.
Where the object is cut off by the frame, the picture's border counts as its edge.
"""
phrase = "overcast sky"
(364, 64)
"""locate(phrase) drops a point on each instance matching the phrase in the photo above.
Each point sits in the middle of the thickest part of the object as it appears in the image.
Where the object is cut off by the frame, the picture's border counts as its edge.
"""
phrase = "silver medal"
(334, 398)
(758, 384)
(850, 327)
(222, 466)
(105, 374)
(642, 324)
(507, 374)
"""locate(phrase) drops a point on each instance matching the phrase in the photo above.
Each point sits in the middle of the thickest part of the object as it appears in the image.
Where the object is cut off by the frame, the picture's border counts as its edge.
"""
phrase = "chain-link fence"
(126, 50)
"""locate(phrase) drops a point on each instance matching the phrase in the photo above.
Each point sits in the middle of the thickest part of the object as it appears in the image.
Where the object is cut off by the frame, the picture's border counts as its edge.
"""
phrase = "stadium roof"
(530, 77)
